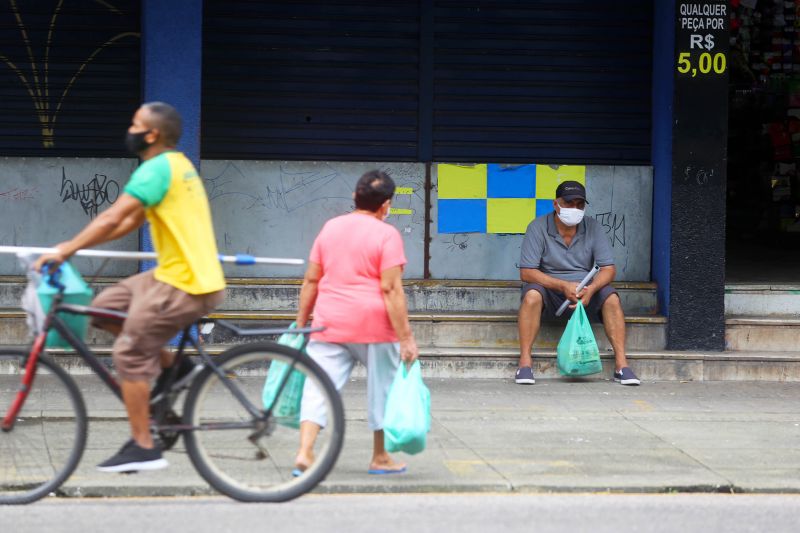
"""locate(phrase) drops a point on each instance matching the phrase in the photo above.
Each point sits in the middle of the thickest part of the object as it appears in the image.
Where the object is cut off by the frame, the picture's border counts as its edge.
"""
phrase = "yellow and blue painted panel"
(494, 198)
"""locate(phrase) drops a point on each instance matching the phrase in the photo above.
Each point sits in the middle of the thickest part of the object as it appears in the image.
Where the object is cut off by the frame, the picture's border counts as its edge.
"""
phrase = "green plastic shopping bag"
(577, 350)
(408, 411)
(286, 409)
(76, 291)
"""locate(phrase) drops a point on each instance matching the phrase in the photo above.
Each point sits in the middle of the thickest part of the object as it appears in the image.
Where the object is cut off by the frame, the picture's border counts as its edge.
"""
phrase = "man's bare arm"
(605, 276)
(534, 275)
(116, 221)
(131, 222)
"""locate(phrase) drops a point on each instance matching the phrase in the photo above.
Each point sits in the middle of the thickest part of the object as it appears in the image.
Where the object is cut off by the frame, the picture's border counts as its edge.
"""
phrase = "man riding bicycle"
(186, 284)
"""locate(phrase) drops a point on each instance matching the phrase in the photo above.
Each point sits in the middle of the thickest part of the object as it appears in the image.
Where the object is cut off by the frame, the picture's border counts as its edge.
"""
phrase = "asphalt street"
(463, 513)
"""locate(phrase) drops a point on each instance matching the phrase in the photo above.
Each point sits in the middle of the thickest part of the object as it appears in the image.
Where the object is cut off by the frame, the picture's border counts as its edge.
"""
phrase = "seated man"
(558, 251)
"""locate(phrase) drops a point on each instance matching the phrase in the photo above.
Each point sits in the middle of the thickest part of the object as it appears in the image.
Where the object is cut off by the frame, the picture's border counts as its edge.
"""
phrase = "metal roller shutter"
(69, 76)
(548, 81)
(565, 81)
(319, 80)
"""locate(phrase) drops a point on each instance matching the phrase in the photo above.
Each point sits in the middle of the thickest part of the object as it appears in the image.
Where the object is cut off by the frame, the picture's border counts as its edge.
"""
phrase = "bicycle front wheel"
(246, 455)
(44, 445)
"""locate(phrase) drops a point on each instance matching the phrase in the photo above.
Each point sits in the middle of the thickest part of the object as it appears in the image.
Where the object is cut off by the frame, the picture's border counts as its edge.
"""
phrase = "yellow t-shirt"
(177, 208)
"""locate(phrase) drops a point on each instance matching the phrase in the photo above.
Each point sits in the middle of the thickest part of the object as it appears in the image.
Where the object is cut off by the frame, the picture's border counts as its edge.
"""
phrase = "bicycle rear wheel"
(48, 437)
(221, 445)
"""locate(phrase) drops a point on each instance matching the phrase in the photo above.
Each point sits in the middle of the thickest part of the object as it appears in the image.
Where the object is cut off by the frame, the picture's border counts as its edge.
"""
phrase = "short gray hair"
(166, 120)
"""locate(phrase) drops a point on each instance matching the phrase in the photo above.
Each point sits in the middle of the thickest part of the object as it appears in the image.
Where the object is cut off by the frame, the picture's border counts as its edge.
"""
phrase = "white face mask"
(570, 216)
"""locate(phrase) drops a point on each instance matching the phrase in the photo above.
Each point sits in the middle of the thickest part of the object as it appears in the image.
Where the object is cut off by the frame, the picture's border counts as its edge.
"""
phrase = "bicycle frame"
(54, 321)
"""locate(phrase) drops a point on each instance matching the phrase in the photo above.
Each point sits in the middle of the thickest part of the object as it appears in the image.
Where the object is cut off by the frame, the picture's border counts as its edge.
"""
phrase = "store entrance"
(763, 189)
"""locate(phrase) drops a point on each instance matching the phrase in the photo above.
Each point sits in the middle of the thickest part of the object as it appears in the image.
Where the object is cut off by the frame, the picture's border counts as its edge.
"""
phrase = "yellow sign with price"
(705, 63)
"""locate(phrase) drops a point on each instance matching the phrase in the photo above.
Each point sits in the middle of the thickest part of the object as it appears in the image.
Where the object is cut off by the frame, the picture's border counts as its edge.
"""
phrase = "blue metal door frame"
(663, 90)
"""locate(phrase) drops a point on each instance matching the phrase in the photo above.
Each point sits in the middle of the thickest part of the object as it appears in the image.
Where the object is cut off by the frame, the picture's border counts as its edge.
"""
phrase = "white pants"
(382, 361)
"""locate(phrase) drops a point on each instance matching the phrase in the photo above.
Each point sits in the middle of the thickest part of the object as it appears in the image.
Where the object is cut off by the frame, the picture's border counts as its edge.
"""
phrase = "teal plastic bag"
(76, 292)
(408, 411)
(578, 354)
(286, 409)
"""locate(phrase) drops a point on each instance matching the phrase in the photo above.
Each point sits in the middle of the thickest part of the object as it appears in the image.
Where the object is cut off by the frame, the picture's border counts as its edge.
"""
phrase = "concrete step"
(504, 296)
(771, 334)
(490, 330)
(654, 365)
(250, 294)
(500, 363)
(649, 365)
(472, 330)
(468, 330)
(762, 300)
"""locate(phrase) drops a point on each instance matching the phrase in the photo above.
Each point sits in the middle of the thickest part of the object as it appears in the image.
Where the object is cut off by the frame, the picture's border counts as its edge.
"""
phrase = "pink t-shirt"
(353, 250)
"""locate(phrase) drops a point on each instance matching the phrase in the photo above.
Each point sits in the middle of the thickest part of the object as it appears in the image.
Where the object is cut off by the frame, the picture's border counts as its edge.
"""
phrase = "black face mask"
(135, 142)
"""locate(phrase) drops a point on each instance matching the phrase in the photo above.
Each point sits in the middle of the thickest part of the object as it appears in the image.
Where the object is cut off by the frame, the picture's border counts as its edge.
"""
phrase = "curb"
(162, 491)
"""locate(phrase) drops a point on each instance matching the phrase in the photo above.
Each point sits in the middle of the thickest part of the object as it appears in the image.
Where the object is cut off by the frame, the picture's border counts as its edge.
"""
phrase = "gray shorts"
(382, 361)
(553, 300)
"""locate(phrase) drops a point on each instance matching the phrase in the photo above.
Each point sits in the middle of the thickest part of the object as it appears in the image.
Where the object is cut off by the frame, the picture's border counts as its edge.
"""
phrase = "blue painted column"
(662, 116)
(172, 42)
(172, 61)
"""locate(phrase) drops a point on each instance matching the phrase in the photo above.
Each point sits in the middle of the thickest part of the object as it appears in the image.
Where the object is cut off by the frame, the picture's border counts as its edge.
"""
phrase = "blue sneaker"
(626, 377)
(524, 376)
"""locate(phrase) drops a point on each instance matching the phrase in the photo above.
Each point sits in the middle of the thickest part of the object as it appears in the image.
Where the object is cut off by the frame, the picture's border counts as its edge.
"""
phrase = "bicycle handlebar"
(238, 259)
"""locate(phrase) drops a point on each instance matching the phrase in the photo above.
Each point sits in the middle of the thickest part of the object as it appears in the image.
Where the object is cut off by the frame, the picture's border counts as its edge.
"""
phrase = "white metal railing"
(238, 259)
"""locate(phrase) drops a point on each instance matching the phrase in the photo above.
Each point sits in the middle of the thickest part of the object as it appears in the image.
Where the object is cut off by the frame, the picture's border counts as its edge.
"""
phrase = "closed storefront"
(555, 82)
(69, 76)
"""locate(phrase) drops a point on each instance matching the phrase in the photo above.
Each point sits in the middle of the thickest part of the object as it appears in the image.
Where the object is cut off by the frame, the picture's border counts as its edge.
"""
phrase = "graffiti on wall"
(91, 195)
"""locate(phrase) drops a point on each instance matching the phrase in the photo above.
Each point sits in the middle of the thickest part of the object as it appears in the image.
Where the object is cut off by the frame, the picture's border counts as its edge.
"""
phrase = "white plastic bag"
(34, 313)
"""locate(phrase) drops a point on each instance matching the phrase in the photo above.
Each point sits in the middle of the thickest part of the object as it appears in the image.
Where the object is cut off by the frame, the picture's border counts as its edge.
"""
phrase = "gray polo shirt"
(544, 249)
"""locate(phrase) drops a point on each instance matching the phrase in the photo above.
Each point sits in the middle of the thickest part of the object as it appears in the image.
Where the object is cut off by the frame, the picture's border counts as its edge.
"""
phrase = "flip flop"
(297, 472)
(382, 471)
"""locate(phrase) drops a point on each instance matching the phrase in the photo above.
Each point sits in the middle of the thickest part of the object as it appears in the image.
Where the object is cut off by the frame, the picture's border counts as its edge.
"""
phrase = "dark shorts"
(553, 300)
(156, 313)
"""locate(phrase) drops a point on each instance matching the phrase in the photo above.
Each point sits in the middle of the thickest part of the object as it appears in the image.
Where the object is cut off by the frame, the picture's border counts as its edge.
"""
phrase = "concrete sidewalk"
(557, 435)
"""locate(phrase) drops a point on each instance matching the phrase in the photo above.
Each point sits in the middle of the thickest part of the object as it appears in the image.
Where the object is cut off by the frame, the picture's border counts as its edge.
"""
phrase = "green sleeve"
(150, 182)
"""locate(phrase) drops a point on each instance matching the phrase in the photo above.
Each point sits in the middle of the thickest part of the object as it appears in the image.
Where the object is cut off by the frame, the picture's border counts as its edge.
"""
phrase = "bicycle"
(234, 441)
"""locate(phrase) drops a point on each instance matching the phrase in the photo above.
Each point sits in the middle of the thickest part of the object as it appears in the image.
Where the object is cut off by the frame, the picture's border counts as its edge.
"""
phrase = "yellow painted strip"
(404, 190)
(467, 467)
(463, 468)
(396, 211)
